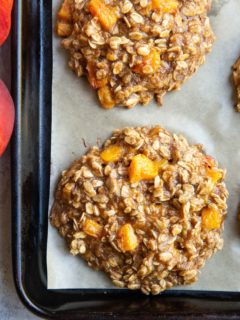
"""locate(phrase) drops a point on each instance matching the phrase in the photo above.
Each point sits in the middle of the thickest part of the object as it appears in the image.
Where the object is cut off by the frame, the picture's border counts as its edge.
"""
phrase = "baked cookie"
(236, 79)
(133, 50)
(147, 208)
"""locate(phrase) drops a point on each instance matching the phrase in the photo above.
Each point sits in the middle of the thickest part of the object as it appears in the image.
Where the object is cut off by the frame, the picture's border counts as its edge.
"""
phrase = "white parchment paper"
(202, 111)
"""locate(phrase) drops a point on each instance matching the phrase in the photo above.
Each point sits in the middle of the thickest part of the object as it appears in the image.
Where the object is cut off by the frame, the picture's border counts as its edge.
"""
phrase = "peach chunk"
(142, 168)
(92, 228)
(64, 24)
(152, 60)
(65, 12)
(112, 153)
(105, 97)
(127, 239)
(94, 82)
(63, 29)
(211, 218)
(107, 15)
(166, 6)
(215, 174)
(7, 116)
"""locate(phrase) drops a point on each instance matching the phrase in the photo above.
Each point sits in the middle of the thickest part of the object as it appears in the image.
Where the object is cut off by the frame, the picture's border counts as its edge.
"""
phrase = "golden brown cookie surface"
(147, 208)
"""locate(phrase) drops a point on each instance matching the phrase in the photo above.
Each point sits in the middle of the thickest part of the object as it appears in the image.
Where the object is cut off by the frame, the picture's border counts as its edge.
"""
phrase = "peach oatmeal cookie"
(133, 50)
(147, 208)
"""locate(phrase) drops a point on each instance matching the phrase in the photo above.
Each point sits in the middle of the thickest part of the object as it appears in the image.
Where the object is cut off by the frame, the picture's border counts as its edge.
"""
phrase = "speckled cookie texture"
(134, 50)
(147, 208)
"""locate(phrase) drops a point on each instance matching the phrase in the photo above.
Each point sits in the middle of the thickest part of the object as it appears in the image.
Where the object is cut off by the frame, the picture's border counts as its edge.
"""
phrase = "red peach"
(5, 19)
(7, 116)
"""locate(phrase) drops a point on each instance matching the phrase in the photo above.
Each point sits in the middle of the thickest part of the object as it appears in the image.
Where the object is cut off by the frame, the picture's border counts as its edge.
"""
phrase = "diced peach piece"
(65, 12)
(215, 174)
(127, 239)
(107, 15)
(63, 29)
(92, 228)
(105, 97)
(211, 219)
(166, 6)
(112, 154)
(142, 168)
(95, 83)
(153, 60)
(7, 116)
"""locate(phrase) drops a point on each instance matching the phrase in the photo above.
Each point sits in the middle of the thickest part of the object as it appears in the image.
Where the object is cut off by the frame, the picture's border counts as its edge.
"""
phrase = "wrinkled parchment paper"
(202, 111)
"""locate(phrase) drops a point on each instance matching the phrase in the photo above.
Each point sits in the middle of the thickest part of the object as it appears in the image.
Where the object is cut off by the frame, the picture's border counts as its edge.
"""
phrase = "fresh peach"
(5, 19)
(7, 115)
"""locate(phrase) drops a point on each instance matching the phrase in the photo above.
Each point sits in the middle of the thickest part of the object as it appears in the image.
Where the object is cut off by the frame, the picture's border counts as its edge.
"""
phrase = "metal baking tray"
(31, 88)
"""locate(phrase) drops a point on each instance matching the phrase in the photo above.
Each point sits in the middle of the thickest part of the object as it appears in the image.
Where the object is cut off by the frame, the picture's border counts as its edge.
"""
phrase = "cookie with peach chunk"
(147, 208)
(134, 51)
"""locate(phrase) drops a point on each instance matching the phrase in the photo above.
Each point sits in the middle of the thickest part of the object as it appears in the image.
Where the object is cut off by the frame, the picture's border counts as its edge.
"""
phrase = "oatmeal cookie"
(133, 50)
(236, 79)
(147, 208)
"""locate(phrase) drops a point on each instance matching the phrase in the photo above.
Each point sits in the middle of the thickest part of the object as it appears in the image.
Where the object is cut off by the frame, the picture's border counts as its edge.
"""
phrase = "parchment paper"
(202, 111)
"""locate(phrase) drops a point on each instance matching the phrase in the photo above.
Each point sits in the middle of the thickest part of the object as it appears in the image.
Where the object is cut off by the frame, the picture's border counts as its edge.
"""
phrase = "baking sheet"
(202, 111)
